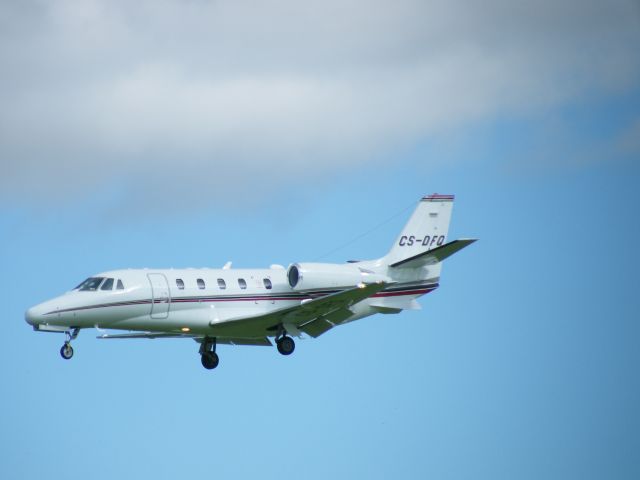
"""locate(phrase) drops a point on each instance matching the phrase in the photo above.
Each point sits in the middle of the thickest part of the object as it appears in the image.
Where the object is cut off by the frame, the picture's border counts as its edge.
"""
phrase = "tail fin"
(426, 229)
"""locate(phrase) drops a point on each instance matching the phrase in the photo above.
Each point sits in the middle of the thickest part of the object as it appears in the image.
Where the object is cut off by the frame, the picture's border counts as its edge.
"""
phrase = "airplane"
(252, 306)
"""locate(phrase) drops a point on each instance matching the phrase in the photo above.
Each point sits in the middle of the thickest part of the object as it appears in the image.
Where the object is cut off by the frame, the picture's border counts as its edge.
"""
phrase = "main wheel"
(66, 351)
(286, 345)
(210, 360)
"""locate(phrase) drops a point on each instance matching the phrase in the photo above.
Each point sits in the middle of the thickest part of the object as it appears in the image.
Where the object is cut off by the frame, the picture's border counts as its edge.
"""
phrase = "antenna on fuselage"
(227, 266)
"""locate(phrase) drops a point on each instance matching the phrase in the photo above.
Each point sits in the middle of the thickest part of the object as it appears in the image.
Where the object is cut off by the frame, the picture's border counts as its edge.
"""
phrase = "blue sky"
(522, 365)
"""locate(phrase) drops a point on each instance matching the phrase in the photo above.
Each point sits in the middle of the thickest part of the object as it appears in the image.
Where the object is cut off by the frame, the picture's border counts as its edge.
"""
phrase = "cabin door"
(161, 298)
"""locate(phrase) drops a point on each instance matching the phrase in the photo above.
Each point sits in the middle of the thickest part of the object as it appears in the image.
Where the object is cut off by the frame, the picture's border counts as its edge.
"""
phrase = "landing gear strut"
(208, 355)
(66, 351)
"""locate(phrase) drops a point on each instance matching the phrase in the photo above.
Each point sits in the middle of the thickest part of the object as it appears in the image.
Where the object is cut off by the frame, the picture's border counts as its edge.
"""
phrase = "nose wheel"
(66, 351)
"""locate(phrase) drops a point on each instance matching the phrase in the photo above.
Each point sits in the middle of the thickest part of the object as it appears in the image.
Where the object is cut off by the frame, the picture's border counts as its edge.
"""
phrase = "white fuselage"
(190, 300)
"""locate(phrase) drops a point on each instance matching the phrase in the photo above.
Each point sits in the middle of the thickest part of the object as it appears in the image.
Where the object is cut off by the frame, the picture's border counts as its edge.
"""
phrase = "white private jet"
(247, 307)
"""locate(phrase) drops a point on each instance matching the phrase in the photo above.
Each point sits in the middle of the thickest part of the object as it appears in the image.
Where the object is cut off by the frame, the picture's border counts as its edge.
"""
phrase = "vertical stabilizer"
(426, 229)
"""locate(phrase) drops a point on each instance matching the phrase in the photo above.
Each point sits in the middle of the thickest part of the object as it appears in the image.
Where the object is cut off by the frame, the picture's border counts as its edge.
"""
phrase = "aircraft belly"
(200, 318)
(239, 330)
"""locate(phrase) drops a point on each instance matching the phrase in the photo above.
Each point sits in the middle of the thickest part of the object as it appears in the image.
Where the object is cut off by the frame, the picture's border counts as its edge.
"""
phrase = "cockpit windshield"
(91, 284)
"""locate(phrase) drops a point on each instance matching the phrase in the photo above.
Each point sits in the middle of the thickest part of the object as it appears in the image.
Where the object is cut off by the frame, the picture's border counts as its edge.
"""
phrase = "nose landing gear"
(66, 351)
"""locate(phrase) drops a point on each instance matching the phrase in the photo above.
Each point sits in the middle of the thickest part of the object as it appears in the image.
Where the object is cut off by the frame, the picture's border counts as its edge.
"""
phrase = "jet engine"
(313, 276)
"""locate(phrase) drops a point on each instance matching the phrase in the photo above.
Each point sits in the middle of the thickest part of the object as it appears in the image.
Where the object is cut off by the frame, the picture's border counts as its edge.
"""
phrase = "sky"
(187, 134)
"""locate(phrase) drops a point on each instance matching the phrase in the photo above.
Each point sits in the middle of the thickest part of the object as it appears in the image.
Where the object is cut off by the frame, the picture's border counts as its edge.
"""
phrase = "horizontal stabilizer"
(431, 257)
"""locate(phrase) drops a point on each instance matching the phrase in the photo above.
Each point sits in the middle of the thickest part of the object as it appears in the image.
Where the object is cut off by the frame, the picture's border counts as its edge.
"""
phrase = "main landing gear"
(210, 360)
(285, 345)
(66, 351)
(208, 355)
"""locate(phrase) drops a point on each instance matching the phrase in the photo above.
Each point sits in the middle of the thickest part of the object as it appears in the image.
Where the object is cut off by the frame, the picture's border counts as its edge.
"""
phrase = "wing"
(435, 255)
(313, 317)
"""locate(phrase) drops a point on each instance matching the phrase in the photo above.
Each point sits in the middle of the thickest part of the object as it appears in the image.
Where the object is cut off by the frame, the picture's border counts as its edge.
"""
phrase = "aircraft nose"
(33, 315)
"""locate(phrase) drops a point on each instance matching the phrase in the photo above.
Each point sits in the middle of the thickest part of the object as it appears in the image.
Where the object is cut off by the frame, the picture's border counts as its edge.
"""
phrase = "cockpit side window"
(91, 284)
(107, 285)
(120, 285)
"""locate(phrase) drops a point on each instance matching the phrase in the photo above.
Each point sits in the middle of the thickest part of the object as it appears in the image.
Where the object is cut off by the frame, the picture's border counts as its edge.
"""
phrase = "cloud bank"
(249, 96)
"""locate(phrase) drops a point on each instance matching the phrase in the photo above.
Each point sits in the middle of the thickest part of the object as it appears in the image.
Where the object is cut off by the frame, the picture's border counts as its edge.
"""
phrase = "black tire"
(210, 360)
(286, 345)
(66, 351)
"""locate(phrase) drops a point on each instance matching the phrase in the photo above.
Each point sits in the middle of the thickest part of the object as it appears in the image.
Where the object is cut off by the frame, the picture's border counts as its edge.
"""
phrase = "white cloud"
(225, 95)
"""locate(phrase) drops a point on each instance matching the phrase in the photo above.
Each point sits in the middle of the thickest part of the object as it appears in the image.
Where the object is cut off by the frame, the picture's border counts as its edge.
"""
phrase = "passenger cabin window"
(242, 283)
(222, 284)
(120, 285)
(200, 283)
(267, 283)
(90, 284)
(107, 285)
(180, 283)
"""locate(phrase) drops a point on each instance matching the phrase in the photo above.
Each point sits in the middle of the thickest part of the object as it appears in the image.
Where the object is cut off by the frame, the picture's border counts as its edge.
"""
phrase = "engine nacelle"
(310, 276)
